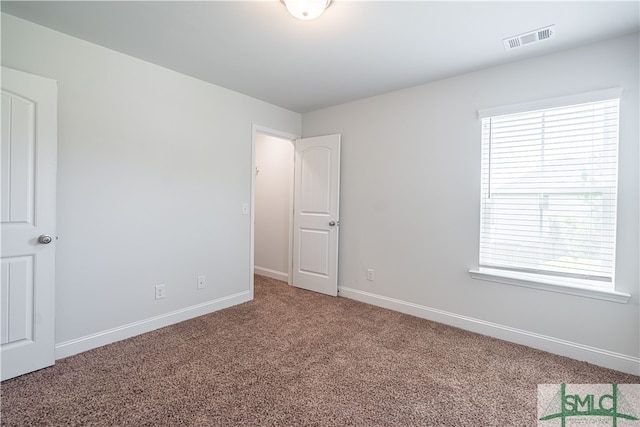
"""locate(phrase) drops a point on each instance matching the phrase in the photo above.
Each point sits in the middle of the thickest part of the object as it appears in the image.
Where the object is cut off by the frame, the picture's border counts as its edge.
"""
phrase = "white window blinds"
(549, 185)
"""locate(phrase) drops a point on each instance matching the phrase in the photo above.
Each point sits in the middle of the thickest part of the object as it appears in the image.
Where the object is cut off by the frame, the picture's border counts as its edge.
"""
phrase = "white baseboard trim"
(89, 342)
(596, 356)
(278, 275)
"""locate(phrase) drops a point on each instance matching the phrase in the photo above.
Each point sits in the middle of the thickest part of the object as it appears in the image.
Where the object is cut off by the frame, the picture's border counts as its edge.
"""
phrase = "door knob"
(332, 223)
(45, 239)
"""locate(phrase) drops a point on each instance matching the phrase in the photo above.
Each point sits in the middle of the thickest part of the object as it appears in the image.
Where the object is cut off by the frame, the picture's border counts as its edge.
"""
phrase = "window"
(548, 192)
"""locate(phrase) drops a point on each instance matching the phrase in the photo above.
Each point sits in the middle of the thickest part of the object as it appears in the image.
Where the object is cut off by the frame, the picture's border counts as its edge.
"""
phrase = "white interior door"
(27, 176)
(316, 214)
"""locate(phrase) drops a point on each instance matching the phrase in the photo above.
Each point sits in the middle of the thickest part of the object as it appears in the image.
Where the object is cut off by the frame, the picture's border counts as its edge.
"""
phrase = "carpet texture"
(293, 357)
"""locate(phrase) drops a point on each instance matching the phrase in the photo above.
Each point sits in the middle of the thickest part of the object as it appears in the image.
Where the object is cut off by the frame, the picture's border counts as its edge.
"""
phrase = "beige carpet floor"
(296, 358)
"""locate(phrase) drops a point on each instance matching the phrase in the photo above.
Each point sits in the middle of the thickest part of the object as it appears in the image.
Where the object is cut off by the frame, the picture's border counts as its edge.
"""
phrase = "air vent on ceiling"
(530, 37)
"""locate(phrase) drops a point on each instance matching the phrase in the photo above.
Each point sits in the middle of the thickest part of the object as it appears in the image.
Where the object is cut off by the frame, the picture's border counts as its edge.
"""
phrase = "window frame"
(572, 286)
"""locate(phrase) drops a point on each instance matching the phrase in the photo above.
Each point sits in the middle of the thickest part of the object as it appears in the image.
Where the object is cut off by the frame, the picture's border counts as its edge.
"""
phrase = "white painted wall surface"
(273, 204)
(410, 203)
(154, 167)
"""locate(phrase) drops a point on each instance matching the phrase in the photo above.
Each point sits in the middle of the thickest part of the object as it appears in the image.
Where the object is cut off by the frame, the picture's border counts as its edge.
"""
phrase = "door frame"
(255, 130)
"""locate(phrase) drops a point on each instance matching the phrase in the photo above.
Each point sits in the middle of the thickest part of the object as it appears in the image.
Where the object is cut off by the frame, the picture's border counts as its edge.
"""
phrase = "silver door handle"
(333, 223)
(45, 239)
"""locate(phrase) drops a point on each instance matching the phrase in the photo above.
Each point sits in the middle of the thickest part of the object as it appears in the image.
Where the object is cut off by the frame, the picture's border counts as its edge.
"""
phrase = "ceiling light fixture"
(306, 9)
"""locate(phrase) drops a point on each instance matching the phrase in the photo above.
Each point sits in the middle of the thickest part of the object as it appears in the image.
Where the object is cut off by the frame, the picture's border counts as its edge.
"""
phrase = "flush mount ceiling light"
(306, 9)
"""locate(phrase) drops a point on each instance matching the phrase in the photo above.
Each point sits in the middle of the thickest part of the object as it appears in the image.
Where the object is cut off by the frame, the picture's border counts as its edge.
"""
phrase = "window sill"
(548, 284)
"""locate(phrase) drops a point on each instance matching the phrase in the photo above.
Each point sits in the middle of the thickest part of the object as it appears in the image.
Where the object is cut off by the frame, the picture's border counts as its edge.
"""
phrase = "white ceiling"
(355, 50)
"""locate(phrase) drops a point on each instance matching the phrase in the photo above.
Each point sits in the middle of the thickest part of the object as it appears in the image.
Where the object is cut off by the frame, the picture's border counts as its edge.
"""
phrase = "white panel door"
(28, 183)
(316, 214)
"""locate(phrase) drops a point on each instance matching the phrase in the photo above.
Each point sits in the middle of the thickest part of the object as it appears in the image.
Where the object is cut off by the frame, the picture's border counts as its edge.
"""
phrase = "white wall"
(410, 204)
(273, 204)
(154, 167)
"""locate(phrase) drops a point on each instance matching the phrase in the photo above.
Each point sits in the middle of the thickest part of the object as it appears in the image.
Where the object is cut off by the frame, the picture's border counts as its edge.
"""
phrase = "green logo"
(592, 404)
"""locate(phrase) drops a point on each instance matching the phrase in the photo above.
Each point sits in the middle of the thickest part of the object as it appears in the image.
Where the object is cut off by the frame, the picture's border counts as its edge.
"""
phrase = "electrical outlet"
(370, 275)
(201, 283)
(160, 291)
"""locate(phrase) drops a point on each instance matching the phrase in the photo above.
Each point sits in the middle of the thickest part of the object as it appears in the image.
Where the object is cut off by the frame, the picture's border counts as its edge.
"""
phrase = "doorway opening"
(273, 204)
(295, 218)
